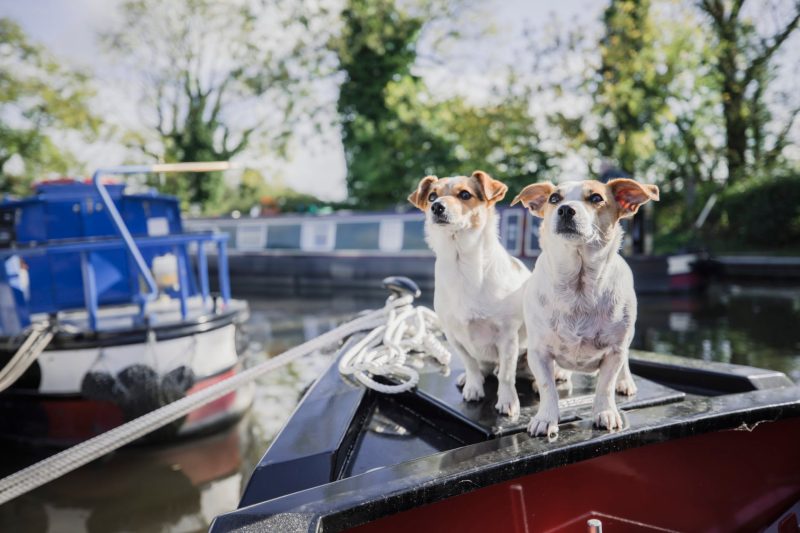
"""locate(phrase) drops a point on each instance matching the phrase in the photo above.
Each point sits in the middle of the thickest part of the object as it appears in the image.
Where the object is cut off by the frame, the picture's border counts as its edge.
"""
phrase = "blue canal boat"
(106, 311)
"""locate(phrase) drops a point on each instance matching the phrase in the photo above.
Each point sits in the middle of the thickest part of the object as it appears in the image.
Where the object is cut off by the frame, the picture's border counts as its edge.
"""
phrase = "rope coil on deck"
(386, 349)
(70, 459)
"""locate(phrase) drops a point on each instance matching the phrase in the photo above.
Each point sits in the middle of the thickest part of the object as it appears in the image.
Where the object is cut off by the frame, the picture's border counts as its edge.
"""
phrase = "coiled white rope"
(70, 459)
(385, 351)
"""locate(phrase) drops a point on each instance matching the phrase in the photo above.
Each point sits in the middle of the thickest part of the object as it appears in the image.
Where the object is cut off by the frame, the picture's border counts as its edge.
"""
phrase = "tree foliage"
(679, 95)
(387, 147)
(217, 78)
(395, 130)
(743, 63)
(40, 102)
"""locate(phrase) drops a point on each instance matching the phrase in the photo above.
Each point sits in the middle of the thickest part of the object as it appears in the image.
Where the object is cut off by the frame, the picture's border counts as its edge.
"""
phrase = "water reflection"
(180, 488)
(755, 326)
(174, 488)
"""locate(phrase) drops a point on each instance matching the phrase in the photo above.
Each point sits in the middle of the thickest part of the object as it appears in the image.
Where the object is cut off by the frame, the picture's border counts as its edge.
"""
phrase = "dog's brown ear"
(535, 196)
(630, 194)
(493, 190)
(420, 197)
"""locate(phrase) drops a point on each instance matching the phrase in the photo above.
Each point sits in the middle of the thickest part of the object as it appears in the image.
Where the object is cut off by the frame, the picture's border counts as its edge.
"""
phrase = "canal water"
(180, 488)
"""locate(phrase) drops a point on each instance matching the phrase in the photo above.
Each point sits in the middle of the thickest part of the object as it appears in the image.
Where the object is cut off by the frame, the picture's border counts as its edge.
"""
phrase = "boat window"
(357, 235)
(231, 231)
(414, 235)
(318, 235)
(391, 235)
(511, 231)
(250, 237)
(283, 237)
(532, 236)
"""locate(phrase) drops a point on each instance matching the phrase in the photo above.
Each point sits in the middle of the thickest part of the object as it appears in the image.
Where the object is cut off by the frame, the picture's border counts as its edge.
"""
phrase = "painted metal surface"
(713, 482)
(64, 252)
(329, 253)
(407, 452)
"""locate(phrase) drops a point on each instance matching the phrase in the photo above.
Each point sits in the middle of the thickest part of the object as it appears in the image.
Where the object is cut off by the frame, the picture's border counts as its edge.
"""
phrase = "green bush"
(762, 211)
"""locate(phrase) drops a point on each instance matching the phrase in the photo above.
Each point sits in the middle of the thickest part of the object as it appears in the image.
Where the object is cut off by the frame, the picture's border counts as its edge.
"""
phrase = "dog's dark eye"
(432, 197)
(464, 195)
(554, 198)
(595, 198)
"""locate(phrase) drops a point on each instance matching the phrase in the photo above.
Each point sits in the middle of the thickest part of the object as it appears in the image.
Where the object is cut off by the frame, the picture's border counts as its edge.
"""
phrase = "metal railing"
(179, 245)
(119, 223)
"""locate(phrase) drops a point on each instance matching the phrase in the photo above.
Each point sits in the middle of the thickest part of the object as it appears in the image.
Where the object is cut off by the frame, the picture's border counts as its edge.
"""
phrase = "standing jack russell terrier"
(580, 306)
(479, 285)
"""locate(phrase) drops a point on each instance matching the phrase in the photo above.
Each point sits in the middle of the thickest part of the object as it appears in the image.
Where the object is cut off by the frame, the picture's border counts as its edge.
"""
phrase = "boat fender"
(100, 386)
(175, 383)
(140, 385)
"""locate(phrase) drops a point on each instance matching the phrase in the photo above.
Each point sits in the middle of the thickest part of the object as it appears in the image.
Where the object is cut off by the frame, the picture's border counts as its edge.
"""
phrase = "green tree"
(387, 147)
(40, 102)
(629, 84)
(218, 78)
(500, 137)
(254, 191)
(744, 67)
(395, 130)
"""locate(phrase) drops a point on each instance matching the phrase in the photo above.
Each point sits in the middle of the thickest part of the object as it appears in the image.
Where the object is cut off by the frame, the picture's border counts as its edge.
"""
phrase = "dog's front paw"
(472, 392)
(609, 419)
(543, 425)
(507, 402)
(626, 386)
(461, 379)
(562, 375)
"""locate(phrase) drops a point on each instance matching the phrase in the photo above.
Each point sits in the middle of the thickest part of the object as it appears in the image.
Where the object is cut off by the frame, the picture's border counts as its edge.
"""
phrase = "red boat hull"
(62, 422)
(736, 480)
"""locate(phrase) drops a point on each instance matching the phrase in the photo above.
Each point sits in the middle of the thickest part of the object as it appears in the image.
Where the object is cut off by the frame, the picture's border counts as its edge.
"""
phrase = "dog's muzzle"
(566, 221)
(439, 215)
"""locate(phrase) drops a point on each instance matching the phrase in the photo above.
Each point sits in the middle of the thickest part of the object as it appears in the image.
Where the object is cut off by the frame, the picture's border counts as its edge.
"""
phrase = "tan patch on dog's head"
(493, 190)
(465, 199)
(629, 195)
(420, 196)
(535, 197)
(595, 207)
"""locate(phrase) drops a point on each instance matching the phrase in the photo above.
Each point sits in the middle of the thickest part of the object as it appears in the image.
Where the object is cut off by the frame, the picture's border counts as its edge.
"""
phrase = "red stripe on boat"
(210, 409)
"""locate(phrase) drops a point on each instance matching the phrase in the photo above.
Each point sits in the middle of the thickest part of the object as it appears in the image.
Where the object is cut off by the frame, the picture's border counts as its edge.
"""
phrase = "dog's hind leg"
(507, 399)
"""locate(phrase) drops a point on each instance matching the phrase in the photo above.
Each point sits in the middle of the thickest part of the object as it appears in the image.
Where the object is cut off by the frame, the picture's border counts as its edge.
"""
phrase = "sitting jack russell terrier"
(580, 307)
(479, 285)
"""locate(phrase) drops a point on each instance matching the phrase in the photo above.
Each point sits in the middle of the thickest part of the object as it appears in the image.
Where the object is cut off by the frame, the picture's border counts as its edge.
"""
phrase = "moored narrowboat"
(106, 312)
(705, 447)
(309, 254)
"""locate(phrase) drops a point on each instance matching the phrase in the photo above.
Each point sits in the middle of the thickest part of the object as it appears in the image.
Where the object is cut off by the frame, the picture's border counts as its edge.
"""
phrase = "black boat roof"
(349, 455)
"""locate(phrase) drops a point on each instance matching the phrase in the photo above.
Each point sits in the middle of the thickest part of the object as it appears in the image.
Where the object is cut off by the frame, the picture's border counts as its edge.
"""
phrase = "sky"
(68, 28)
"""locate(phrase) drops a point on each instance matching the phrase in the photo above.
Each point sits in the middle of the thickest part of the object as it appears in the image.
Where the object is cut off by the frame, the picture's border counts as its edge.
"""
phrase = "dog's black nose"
(566, 212)
(437, 208)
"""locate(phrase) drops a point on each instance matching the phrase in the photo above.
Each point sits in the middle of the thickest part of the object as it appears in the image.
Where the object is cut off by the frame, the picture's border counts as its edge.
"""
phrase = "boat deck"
(350, 456)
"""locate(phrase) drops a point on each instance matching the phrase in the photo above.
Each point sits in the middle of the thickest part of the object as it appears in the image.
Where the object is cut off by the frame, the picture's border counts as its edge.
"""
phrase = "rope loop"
(385, 350)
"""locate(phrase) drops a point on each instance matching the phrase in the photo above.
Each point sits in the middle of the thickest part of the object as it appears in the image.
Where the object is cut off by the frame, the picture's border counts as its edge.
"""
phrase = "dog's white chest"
(579, 336)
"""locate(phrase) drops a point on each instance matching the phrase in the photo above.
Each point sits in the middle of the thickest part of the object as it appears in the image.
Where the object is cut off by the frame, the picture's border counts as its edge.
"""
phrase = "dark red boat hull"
(735, 480)
(62, 422)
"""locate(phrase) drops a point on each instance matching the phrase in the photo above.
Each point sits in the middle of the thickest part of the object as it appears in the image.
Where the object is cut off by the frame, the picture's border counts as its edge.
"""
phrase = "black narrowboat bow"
(706, 447)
